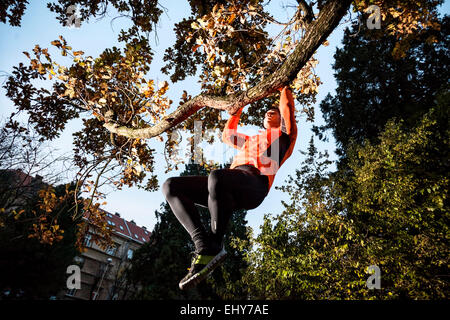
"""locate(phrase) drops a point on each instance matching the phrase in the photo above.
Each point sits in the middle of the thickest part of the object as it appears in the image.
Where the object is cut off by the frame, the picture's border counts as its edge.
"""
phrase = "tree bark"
(317, 32)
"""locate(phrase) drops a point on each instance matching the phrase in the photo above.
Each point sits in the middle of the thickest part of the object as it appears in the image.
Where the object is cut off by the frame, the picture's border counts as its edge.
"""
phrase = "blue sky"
(39, 26)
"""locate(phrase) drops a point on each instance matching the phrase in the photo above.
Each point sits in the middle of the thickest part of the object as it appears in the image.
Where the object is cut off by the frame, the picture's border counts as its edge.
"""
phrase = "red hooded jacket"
(269, 149)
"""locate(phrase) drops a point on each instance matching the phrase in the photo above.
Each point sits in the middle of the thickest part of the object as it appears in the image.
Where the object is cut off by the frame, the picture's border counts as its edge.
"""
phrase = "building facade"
(103, 271)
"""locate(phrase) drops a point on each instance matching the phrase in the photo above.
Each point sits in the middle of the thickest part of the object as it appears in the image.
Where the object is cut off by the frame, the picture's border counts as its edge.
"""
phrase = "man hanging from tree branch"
(243, 186)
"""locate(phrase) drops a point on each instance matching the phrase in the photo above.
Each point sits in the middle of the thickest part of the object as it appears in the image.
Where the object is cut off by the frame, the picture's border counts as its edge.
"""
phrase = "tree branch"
(306, 8)
(317, 32)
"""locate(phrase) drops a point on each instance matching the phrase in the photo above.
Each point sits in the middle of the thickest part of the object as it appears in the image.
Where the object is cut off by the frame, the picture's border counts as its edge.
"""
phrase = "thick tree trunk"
(317, 32)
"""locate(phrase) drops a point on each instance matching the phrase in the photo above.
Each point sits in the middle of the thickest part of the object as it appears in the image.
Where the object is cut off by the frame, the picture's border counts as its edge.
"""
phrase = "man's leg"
(231, 189)
(182, 193)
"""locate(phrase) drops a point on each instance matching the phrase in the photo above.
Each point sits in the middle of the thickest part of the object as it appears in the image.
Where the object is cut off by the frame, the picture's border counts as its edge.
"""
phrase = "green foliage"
(160, 264)
(391, 211)
(398, 198)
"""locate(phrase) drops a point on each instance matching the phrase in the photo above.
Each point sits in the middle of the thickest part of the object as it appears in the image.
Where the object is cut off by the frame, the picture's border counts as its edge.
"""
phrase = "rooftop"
(127, 228)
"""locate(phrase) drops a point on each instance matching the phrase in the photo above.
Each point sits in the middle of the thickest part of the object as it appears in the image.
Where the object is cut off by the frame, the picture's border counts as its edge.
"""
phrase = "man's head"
(272, 118)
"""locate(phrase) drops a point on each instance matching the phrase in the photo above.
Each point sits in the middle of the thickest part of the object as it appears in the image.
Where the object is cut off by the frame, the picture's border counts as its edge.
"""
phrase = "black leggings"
(223, 191)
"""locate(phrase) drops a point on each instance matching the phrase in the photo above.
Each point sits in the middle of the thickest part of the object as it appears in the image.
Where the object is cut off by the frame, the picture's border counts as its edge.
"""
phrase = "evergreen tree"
(373, 86)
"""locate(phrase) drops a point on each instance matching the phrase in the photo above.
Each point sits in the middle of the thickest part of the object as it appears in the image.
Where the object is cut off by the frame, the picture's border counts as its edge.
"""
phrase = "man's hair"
(273, 108)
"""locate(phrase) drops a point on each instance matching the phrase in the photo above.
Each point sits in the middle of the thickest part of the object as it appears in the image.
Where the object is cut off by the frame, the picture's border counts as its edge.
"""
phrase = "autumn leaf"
(56, 43)
(231, 18)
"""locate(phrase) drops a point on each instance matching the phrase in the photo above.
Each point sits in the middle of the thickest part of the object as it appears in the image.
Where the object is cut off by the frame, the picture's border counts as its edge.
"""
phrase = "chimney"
(117, 214)
(144, 228)
(132, 221)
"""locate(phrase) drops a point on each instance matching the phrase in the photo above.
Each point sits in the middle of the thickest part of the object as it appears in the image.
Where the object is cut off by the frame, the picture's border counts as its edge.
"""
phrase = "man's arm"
(230, 136)
(288, 123)
(287, 110)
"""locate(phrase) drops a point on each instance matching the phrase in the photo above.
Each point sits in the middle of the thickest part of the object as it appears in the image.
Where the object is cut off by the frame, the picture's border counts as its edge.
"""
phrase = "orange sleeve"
(230, 136)
(288, 123)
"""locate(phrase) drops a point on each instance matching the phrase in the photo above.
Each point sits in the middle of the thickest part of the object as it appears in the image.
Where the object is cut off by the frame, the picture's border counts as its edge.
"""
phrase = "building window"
(121, 228)
(136, 236)
(71, 292)
(143, 239)
(87, 241)
(79, 261)
(130, 254)
(111, 250)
